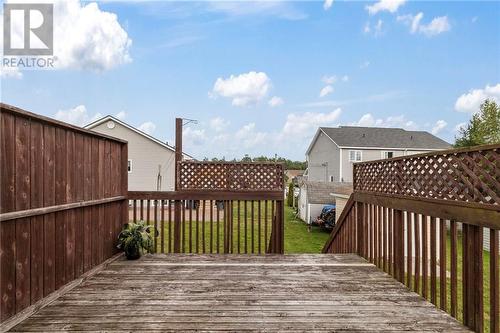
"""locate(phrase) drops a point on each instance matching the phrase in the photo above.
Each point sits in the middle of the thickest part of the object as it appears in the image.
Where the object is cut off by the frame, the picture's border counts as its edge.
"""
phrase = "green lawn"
(297, 237)
(248, 236)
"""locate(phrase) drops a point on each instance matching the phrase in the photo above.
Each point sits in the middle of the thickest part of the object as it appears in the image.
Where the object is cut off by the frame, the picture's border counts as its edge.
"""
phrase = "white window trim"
(360, 155)
(131, 164)
(387, 151)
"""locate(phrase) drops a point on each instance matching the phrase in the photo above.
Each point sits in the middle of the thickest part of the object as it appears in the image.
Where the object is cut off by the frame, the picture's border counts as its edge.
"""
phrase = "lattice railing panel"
(471, 175)
(227, 176)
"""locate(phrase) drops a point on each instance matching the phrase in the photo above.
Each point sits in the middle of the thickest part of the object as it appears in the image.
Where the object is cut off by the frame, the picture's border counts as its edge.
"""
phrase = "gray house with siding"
(150, 161)
(333, 150)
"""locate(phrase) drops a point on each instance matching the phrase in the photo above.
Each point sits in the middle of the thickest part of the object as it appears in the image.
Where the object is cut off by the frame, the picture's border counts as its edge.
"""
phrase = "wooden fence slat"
(23, 232)
(416, 241)
(7, 229)
(211, 205)
(494, 282)
(453, 268)
(203, 226)
(409, 247)
(442, 264)
(433, 260)
(36, 201)
(162, 226)
(425, 256)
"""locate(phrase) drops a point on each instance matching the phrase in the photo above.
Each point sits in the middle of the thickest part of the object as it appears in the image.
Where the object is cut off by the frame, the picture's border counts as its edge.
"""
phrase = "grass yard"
(248, 236)
(298, 239)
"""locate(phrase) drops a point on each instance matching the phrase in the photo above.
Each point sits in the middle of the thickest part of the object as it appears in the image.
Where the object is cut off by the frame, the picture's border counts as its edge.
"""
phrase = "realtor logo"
(28, 29)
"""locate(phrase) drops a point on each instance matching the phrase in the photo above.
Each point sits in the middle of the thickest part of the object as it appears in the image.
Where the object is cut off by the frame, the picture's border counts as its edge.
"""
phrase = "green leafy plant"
(136, 239)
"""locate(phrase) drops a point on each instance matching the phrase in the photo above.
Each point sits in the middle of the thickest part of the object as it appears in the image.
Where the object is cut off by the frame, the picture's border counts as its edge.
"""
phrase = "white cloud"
(439, 126)
(367, 28)
(367, 120)
(218, 124)
(275, 101)
(385, 5)
(304, 125)
(121, 115)
(327, 4)
(86, 37)
(329, 79)
(249, 137)
(470, 102)
(194, 137)
(435, 27)
(245, 89)
(78, 116)
(326, 91)
(148, 127)
(345, 78)
(377, 28)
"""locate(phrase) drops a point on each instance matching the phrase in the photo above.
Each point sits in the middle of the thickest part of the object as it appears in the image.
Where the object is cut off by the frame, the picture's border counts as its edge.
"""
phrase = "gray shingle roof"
(353, 136)
(320, 192)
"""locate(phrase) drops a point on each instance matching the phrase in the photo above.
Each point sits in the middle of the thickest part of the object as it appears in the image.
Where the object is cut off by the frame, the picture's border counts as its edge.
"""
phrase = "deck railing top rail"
(469, 175)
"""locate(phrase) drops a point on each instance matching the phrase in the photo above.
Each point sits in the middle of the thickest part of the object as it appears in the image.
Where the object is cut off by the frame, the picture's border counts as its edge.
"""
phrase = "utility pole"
(177, 203)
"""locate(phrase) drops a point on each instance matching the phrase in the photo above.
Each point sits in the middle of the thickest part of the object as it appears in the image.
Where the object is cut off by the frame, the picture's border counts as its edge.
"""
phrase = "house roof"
(294, 173)
(320, 192)
(134, 129)
(378, 137)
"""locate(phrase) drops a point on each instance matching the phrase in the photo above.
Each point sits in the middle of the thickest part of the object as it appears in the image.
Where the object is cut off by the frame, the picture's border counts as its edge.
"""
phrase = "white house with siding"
(333, 150)
(150, 161)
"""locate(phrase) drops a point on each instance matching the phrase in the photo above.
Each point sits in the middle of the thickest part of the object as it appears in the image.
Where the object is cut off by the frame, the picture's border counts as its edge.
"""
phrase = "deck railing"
(220, 207)
(426, 220)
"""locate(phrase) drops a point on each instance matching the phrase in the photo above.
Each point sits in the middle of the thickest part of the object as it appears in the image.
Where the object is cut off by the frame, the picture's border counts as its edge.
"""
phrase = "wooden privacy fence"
(422, 218)
(62, 203)
(220, 207)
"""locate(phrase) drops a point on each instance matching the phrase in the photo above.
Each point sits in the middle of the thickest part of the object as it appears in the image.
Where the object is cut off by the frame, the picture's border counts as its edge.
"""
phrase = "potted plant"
(136, 239)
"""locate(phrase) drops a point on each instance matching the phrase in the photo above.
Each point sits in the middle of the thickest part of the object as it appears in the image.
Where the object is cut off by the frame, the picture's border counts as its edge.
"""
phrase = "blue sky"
(420, 65)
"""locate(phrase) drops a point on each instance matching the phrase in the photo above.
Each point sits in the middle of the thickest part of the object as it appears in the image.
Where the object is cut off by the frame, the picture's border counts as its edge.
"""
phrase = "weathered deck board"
(241, 293)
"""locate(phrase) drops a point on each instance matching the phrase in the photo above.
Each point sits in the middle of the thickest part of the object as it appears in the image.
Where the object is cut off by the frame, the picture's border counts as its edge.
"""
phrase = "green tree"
(483, 128)
(289, 197)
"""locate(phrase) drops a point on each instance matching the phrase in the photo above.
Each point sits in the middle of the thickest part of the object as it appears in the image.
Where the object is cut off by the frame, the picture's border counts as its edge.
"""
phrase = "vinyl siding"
(323, 160)
(146, 155)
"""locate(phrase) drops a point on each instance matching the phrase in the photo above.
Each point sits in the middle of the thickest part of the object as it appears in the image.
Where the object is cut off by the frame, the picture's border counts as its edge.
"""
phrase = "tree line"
(289, 164)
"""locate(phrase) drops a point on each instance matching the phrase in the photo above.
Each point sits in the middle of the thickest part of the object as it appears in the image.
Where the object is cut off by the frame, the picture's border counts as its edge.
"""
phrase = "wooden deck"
(239, 293)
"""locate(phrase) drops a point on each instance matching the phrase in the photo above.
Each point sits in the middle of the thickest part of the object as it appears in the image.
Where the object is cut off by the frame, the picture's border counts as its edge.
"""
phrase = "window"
(129, 166)
(354, 155)
(331, 178)
(387, 154)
